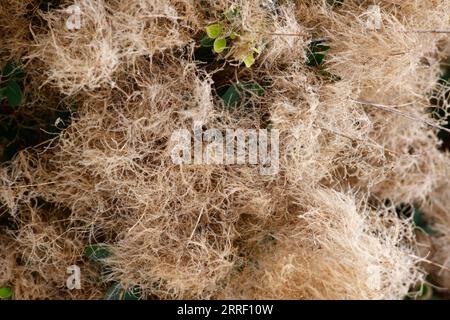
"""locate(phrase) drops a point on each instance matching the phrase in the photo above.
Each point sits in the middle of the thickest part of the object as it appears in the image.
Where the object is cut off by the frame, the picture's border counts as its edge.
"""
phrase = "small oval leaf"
(14, 94)
(5, 293)
(214, 31)
(249, 60)
(220, 45)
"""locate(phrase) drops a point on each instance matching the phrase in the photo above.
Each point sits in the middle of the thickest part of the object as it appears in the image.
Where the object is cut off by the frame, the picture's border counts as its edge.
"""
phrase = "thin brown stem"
(393, 109)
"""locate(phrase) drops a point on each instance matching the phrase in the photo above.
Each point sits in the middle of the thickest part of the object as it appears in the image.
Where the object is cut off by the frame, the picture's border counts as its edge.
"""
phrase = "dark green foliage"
(12, 74)
(22, 126)
(316, 56)
(421, 223)
(231, 96)
(207, 42)
(316, 53)
(239, 93)
(13, 70)
(97, 253)
(22, 130)
(117, 292)
(133, 293)
(205, 53)
(114, 292)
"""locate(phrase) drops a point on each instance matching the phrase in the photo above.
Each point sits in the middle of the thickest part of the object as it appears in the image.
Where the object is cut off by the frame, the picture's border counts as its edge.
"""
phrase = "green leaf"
(316, 59)
(316, 53)
(425, 292)
(253, 88)
(231, 97)
(220, 45)
(214, 31)
(421, 223)
(236, 94)
(117, 292)
(5, 293)
(206, 42)
(13, 71)
(133, 293)
(13, 93)
(418, 218)
(97, 253)
(445, 77)
(114, 292)
(8, 69)
(249, 60)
